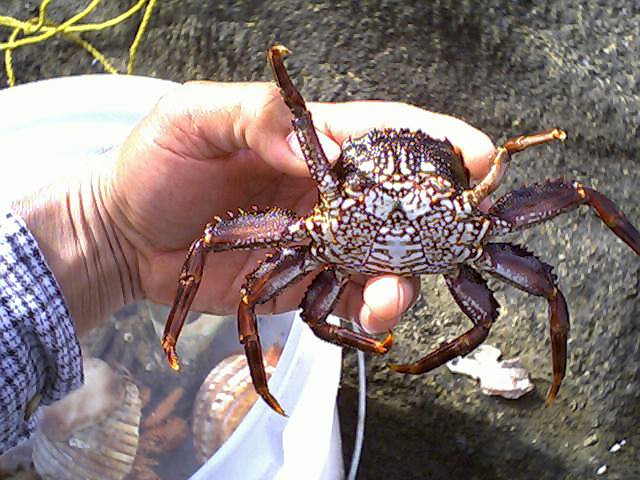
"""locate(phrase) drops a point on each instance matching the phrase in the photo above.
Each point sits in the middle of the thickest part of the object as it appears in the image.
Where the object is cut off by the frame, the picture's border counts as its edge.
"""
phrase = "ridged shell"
(77, 441)
(224, 399)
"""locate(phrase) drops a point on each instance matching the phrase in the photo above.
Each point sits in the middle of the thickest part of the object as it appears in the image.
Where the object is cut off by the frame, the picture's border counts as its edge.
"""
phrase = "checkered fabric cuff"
(39, 352)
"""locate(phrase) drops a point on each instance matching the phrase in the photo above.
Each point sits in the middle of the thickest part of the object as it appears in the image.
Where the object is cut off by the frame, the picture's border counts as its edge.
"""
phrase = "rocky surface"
(507, 68)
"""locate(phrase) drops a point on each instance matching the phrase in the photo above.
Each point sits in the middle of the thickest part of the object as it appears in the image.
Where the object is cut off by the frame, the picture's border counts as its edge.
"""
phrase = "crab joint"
(244, 296)
(580, 189)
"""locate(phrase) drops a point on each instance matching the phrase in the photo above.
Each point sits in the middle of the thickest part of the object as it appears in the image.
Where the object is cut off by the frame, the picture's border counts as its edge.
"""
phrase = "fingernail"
(331, 149)
(372, 324)
(365, 318)
(400, 296)
(404, 283)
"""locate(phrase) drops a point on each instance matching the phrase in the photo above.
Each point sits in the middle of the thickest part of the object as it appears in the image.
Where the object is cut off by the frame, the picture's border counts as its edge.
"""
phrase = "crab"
(400, 202)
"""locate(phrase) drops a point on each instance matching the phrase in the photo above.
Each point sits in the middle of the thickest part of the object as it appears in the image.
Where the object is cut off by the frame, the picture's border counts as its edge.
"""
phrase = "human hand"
(205, 149)
(209, 148)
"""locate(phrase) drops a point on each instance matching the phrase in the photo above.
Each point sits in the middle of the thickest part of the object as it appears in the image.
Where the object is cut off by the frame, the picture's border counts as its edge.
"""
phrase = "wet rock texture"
(506, 67)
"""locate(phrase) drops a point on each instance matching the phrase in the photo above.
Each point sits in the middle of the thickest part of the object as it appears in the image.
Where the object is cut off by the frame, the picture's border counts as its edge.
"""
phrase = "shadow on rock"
(444, 444)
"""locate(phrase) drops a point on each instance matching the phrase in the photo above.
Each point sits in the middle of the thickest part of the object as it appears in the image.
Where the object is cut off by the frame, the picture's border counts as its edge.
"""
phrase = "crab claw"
(169, 347)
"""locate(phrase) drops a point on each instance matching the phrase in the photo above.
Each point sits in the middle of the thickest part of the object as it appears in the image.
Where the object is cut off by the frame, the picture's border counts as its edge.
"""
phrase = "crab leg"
(277, 272)
(474, 298)
(317, 162)
(190, 278)
(525, 271)
(502, 157)
(543, 201)
(247, 230)
(318, 303)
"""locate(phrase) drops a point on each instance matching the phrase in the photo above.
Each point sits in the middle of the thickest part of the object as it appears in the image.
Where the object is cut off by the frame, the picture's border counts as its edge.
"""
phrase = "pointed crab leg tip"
(560, 134)
(172, 358)
(280, 50)
(551, 397)
(381, 348)
(397, 367)
(389, 340)
(274, 405)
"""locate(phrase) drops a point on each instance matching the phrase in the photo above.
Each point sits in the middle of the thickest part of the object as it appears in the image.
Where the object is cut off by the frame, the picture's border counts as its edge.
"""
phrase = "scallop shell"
(93, 432)
(224, 399)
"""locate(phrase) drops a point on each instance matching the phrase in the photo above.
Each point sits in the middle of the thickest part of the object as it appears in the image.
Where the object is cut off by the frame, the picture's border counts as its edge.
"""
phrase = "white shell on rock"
(505, 378)
(93, 432)
(224, 399)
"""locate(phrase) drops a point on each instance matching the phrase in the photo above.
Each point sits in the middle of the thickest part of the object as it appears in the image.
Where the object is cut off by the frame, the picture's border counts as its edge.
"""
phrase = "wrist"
(88, 255)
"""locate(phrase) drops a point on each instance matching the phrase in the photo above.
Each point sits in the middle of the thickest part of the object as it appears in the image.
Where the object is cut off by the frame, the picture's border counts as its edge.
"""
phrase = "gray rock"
(590, 440)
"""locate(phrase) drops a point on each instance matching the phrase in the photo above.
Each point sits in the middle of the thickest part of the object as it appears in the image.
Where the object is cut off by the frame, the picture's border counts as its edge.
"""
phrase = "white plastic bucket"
(74, 118)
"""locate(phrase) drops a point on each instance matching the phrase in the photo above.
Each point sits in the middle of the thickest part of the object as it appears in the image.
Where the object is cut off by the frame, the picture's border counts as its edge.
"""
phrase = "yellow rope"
(114, 21)
(94, 52)
(136, 41)
(49, 32)
(8, 62)
(39, 29)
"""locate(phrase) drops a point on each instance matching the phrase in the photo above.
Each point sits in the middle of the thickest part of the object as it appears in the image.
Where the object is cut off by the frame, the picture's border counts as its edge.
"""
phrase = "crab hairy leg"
(543, 201)
(317, 162)
(523, 270)
(476, 300)
(274, 274)
(319, 301)
(247, 230)
(500, 161)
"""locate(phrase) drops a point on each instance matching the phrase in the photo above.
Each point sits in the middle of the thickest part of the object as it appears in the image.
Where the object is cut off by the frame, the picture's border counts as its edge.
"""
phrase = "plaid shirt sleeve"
(40, 359)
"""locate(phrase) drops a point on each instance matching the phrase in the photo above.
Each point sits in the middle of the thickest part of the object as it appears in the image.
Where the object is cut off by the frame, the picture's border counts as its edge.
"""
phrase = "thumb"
(216, 119)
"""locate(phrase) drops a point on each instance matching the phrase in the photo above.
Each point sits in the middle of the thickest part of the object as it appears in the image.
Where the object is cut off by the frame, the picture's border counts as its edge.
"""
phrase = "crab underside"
(397, 202)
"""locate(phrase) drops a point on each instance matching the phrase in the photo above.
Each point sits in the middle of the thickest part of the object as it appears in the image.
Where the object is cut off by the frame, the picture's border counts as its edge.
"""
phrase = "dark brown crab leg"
(319, 301)
(247, 230)
(274, 274)
(538, 203)
(476, 300)
(543, 201)
(502, 157)
(317, 162)
(525, 271)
